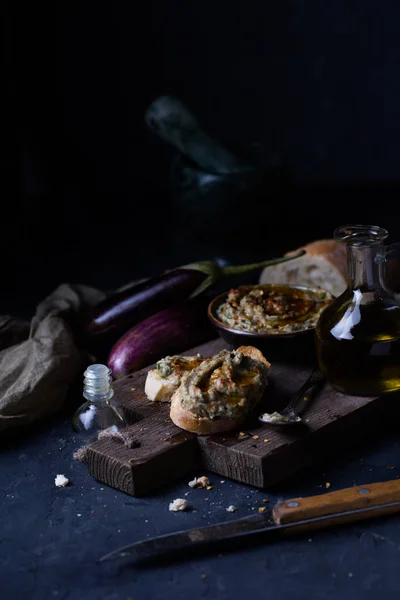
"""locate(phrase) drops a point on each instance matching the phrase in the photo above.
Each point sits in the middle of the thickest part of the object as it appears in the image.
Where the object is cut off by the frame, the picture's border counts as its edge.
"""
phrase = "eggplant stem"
(229, 271)
(237, 270)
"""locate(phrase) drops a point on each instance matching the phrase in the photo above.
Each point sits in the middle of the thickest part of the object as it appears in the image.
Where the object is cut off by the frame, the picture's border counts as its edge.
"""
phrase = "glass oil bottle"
(358, 334)
(99, 412)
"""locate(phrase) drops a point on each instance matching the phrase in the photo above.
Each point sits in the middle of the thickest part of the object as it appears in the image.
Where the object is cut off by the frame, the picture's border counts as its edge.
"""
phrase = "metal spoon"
(299, 403)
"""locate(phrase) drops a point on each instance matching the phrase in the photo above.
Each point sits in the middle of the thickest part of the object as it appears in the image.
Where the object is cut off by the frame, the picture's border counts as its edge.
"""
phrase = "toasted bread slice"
(157, 388)
(187, 419)
(160, 386)
(254, 353)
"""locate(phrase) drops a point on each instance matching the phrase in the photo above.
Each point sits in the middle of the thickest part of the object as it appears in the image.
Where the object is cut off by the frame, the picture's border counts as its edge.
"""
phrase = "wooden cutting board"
(261, 455)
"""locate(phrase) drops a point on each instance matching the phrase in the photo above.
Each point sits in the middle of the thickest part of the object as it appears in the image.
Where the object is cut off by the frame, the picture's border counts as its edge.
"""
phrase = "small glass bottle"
(358, 334)
(99, 411)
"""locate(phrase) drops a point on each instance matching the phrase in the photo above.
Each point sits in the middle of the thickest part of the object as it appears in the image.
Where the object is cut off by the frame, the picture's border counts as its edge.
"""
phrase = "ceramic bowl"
(296, 346)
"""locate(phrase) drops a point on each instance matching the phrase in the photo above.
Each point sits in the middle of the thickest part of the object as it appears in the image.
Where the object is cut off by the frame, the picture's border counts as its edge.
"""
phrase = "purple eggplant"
(115, 315)
(170, 331)
(119, 312)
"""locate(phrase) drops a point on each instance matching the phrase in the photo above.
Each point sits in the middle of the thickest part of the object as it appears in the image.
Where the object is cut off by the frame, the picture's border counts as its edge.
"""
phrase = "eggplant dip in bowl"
(269, 316)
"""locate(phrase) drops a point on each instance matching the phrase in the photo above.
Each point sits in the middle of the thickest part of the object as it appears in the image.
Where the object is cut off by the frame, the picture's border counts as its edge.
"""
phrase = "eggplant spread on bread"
(162, 381)
(216, 394)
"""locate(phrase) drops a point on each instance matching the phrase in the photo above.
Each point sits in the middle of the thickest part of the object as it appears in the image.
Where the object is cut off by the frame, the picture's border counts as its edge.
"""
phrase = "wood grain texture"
(259, 454)
(357, 497)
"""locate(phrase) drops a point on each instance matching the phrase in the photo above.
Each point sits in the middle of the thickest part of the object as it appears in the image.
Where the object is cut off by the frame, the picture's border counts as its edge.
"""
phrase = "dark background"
(85, 184)
(85, 197)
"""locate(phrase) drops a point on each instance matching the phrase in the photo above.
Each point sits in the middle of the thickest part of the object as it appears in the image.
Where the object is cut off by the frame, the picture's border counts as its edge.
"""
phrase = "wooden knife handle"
(360, 497)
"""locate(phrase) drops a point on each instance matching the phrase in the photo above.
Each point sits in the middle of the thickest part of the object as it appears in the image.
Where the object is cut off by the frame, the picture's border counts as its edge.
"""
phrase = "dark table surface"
(51, 538)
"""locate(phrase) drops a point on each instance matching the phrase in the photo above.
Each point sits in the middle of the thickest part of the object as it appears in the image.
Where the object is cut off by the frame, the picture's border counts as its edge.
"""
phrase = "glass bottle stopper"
(97, 383)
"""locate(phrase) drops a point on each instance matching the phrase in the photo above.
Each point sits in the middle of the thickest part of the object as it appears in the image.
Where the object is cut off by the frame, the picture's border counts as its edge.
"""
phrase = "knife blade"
(290, 517)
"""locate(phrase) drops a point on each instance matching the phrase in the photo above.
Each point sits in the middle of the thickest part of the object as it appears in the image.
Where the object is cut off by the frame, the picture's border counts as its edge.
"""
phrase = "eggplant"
(119, 312)
(115, 315)
(170, 331)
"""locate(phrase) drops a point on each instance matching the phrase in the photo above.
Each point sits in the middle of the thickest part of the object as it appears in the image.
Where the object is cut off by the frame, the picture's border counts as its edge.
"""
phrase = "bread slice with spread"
(219, 394)
(162, 381)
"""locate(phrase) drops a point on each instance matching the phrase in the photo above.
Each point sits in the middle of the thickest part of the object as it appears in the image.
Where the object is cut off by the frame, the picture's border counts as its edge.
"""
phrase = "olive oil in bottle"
(358, 334)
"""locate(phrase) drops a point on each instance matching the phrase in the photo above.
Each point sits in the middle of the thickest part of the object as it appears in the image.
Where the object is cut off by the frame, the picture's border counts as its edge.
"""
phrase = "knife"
(289, 517)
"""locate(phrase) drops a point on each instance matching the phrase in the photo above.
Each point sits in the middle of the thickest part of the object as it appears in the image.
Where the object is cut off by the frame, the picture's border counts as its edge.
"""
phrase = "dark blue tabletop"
(51, 538)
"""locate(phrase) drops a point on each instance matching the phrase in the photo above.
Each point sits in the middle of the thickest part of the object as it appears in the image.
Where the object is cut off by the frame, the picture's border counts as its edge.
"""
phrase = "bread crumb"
(61, 481)
(242, 433)
(178, 504)
(327, 485)
(200, 482)
(133, 389)
(231, 508)
(261, 509)
(210, 487)
(256, 437)
(266, 441)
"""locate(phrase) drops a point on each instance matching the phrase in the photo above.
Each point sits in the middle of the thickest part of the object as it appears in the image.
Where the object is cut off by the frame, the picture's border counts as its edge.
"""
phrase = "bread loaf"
(324, 265)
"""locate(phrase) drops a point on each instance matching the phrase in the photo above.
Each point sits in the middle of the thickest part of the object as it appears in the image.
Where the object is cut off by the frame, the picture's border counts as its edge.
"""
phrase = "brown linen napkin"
(40, 360)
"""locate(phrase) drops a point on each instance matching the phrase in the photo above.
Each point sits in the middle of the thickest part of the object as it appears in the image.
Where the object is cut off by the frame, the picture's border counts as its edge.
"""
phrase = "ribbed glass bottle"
(99, 411)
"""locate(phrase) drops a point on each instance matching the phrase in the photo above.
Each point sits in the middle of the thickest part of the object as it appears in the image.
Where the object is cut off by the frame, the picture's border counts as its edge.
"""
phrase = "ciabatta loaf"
(323, 265)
